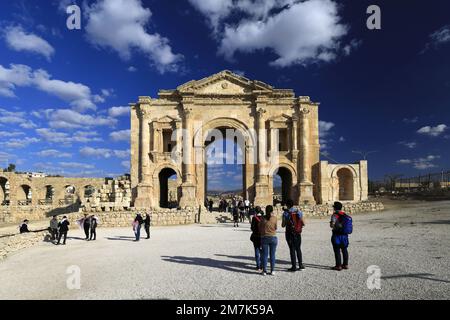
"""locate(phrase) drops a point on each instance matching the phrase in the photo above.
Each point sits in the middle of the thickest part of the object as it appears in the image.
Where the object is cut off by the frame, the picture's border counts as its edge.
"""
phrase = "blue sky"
(64, 93)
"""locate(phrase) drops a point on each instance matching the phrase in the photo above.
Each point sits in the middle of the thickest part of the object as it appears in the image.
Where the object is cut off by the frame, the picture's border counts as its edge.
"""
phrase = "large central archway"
(236, 133)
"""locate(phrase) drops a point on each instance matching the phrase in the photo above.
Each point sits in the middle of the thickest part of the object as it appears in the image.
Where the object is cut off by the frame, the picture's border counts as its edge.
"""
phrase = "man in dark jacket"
(86, 225)
(147, 225)
(24, 227)
(63, 229)
(256, 239)
(93, 228)
(293, 222)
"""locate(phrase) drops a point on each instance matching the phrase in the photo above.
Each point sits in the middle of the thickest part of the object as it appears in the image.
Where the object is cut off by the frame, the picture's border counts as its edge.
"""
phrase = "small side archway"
(4, 191)
(168, 180)
(344, 186)
(283, 182)
(25, 195)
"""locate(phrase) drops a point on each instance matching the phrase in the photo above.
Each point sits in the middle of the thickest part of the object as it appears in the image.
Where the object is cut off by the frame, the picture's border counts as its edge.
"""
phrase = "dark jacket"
(24, 228)
(147, 221)
(256, 235)
(139, 219)
(64, 225)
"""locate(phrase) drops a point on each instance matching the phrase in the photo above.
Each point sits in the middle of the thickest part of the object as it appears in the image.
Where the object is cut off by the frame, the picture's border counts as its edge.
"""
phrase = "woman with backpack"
(256, 239)
(269, 240)
(341, 225)
(294, 222)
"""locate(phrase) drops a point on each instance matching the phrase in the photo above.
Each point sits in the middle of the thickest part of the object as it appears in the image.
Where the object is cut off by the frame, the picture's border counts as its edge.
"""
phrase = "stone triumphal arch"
(278, 134)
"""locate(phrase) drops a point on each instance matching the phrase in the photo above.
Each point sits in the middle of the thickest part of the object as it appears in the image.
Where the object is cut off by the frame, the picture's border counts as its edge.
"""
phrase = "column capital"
(304, 110)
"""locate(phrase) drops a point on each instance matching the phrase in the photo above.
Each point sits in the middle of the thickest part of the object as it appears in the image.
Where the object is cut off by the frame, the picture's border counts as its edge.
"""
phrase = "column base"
(188, 198)
(144, 196)
(306, 193)
(262, 197)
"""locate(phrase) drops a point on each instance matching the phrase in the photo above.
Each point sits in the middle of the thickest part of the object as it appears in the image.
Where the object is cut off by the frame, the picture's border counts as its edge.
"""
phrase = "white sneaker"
(263, 273)
(272, 273)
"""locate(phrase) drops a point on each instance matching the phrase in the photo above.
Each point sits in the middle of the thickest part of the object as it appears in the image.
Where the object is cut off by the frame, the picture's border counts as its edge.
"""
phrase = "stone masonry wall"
(13, 243)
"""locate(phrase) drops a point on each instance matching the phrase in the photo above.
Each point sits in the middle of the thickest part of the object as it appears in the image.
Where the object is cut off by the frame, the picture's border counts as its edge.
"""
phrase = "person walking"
(93, 227)
(147, 222)
(236, 217)
(294, 222)
(54, 228)
(138, 221)
(63, 229)
(269, 240)
(256, 239)
(341, 225)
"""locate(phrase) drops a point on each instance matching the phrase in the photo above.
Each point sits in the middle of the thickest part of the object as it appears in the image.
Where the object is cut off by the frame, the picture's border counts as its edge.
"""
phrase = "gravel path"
(410, 245)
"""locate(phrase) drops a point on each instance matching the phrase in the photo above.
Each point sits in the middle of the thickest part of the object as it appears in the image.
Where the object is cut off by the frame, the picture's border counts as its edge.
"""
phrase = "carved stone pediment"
(224, 83)
(167, 119)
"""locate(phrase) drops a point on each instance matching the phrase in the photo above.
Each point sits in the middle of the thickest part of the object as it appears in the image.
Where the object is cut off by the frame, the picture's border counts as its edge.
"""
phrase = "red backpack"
(296, 222)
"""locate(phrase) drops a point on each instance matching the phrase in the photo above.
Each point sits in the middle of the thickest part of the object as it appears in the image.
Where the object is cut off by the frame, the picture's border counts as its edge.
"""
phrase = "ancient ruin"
(272, 124)
(277, 133)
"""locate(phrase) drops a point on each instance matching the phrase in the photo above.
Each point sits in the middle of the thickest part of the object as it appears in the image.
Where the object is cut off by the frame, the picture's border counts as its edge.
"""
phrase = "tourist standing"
(256, 239)
(241, 211)
(137, 226)
(147, 222)
(210, 204)
(269, 241)
(247, 206)
(63, 229)
(54, 228)
(341, 225)
(294, 222)
(85, 223)
(23, 228)
(236, 217)
(93, 227)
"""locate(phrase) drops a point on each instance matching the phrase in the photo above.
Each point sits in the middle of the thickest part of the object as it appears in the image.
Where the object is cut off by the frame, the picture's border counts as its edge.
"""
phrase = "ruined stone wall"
(324, 210)
(13, 243)
(162, 217)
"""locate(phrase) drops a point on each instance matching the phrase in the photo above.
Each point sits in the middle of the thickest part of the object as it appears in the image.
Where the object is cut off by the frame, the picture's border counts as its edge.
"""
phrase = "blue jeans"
(269, 243)
(137, 232)
(258, 256)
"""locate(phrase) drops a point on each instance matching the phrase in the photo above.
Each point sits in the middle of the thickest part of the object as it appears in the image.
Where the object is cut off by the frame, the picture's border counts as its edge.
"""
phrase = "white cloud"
(52, 153)
(122, 26)
(18, 40)
(19, 143)
(411, 120)
(118, 111)
(78, 95)
(131, 69)
(104, 153)
(76, 165)
(52, 136)
(71, 119)
(433, 131)
(438, 38)
(311, 30)
(17, 75)
(126, 164)
(122, 135)
(10, 134)
(420, 163)
(410, 145)
(324, 131)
